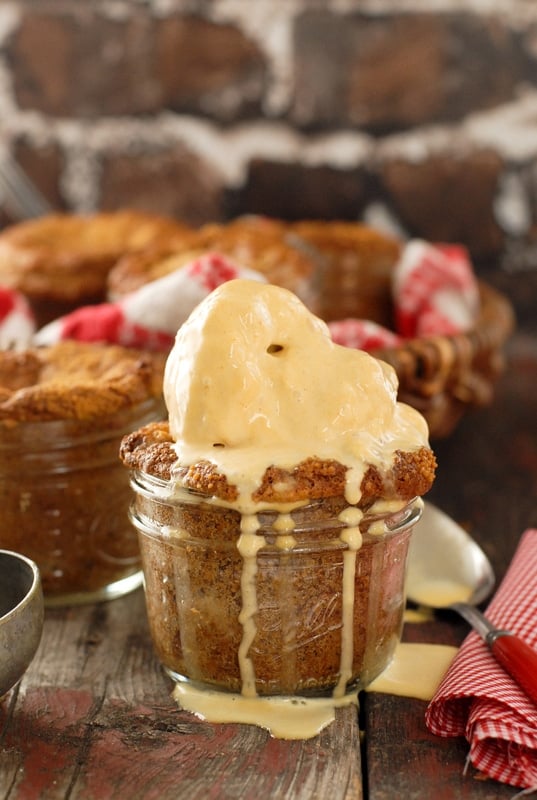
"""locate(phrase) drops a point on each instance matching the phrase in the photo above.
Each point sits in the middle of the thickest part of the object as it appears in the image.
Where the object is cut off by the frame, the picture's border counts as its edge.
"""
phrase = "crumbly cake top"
(75, 380)
(150, 449)
(257, 243)
(67, 255)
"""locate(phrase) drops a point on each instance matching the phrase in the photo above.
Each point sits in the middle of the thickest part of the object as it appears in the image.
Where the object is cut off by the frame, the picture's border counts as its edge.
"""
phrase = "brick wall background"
(417, 116)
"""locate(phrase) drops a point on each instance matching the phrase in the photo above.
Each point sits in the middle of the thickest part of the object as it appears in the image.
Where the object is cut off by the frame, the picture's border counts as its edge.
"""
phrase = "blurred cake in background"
(61, 261)
(64, 492)
(253, 242)
(358, 263)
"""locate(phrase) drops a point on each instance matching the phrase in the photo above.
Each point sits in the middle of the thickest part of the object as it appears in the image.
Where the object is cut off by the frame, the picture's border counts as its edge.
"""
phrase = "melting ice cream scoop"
(255, 379)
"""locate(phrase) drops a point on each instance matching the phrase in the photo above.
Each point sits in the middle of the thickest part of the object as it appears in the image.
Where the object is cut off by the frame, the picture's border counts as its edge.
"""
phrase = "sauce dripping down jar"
(306, 602)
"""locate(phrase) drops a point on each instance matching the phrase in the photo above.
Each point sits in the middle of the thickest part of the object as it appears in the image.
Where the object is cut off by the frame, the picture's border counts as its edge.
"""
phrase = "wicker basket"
(443, 376)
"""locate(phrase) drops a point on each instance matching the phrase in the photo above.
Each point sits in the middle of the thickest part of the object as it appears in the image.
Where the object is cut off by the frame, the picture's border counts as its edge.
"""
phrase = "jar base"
(110, 592)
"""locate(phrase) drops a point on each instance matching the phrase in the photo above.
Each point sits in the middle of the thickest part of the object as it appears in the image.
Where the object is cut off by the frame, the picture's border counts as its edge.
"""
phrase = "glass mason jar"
(306, 603)
(65, 496)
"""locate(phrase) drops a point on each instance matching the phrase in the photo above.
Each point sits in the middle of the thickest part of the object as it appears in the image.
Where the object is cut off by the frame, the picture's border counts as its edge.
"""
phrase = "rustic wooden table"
(93, 718)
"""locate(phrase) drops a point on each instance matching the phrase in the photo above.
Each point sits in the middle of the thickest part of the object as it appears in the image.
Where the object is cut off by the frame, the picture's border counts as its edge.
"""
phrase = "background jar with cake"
(63, 413)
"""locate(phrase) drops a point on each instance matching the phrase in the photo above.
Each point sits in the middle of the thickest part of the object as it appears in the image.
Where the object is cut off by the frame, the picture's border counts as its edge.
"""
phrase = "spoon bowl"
(21, 616)
(445, 565)
(447, 569)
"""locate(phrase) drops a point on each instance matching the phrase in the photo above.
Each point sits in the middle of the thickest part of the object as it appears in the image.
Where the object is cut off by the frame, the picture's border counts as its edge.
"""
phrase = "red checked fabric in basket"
(434, 290)
(479, 700)
(16, 319)
(149, 317)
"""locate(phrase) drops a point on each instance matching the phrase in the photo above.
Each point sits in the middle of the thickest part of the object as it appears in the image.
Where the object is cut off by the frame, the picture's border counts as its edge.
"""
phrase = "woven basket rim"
(429, 365)
(494, 323)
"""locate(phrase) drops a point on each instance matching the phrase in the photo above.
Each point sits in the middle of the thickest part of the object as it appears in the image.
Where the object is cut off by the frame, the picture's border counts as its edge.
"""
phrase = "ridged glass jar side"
(65, 499)
(302, 602)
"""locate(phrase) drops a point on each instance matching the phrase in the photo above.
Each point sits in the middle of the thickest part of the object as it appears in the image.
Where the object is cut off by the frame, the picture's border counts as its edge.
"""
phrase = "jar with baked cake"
(63, 411)
(304, 603)
(274, 510)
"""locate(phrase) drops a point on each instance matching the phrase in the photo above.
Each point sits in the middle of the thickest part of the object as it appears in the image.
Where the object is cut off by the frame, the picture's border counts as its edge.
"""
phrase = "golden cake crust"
(150, 449)
(257, 243)
(75, 380)
(339, 235)
(66, 257)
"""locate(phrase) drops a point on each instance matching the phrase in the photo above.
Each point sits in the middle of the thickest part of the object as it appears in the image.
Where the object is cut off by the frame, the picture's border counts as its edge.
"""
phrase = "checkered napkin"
(17, 323)
(479, 700)
(434, 291)
(149, 317)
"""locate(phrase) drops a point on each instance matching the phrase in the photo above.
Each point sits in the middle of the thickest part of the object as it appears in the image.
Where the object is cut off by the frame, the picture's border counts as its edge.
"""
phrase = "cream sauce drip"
(439, 592)
(284, 717)
(248, 545)
(238, 388)
(419, 615)
(416, 670)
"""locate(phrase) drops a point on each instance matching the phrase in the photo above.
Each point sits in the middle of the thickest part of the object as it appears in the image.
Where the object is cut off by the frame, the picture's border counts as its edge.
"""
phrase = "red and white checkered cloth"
(149, 317)
(362, 334)
(479, 700)
(17, 324)
(435, 292)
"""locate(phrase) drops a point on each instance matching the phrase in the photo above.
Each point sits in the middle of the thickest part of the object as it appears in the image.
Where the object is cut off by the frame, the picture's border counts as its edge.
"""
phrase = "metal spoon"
(447, 569)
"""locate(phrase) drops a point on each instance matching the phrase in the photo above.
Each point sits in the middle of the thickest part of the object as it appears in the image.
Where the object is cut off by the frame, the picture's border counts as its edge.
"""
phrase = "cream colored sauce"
(347, 628)
(439, 592)
(286, 542)
(284, 717)
(416, 670)
(351, 516)
(238, 388)
(248, 545)
(419, 614)
(284, 525)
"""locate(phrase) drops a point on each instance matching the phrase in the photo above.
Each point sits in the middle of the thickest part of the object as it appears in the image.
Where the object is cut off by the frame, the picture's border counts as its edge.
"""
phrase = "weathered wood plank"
(404, 760)
(93, 719)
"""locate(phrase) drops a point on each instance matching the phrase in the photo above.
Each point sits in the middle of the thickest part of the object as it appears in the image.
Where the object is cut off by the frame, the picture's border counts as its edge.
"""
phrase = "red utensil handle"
(519, 660)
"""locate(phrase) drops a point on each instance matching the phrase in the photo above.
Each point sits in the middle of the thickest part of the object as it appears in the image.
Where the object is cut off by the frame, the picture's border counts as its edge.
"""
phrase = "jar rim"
(390, 521)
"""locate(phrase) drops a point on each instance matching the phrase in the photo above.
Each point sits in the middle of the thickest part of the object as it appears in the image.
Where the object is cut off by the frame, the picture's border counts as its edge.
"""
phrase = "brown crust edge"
(150, 450)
